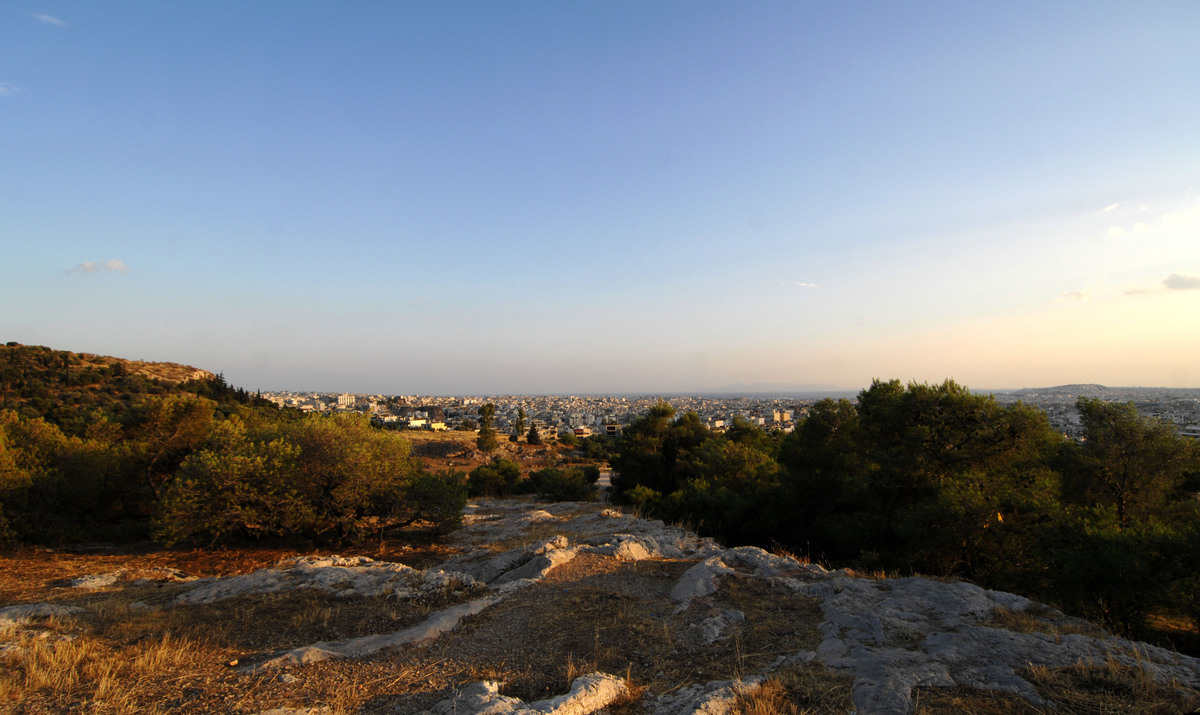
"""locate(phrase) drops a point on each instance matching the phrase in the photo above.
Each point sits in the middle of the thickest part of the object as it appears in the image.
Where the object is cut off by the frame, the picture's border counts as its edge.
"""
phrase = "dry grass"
(798, 690)
(592, 614)
(129, 652)
(952, 701)
(538, 531)
(1041, 619)
(58, 670)
(97, 664)
(262, 622)
(1112, 687)
(1174, 631)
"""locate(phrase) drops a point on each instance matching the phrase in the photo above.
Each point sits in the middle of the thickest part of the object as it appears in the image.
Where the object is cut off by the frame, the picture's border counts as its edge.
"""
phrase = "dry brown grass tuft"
(71, 672)
(1111, 687)
(538, 531)
(951, 701)
(263, 622)
(1041, 619)
(798, 690)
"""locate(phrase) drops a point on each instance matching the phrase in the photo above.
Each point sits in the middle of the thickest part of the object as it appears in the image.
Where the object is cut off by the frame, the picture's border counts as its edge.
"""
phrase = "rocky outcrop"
(338, 576)
(504, 574)
(893, 636)
(896, 635)
(889, 635)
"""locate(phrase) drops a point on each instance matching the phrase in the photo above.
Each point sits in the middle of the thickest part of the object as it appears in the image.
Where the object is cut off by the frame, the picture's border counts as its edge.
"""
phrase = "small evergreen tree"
(486, 441)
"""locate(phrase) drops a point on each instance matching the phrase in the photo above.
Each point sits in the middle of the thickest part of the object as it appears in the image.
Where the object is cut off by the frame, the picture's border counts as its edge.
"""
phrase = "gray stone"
(588, 694)
(16, 615)
(713, 698)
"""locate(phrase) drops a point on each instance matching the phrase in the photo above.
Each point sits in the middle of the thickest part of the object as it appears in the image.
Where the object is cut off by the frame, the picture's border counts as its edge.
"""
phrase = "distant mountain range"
(1105, 392)
(1084, 390)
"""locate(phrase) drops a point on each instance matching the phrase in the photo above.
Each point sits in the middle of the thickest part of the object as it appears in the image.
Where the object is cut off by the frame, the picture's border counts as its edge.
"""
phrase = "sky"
(588, 197)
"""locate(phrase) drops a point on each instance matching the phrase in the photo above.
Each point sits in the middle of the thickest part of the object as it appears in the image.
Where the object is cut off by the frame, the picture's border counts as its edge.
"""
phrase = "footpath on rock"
(566, 608)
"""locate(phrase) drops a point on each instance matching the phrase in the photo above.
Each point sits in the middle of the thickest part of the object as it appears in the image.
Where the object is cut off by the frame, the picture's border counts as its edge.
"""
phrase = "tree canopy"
(197, 461)
(939, 480)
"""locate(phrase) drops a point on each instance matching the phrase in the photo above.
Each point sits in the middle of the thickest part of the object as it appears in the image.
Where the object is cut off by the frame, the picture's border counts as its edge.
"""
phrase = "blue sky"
(458, 198)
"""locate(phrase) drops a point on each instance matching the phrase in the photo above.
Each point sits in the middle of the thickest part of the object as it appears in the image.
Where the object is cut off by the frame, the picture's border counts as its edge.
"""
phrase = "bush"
(640, 496)
(500, 477)
(326, 478)
(591, 473)
(436, 498)
(562, 485)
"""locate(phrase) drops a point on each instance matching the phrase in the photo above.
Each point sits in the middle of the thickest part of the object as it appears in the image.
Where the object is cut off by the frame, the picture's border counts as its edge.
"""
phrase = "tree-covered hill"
(104, 448)
(66, 387)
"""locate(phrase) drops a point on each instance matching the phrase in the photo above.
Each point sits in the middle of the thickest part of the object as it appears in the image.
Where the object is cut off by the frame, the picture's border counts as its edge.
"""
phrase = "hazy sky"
(486, 197)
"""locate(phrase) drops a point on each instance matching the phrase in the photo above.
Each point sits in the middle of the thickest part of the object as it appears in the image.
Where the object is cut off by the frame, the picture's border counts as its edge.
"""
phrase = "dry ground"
(128, 652)
(594, 613)
(456, 450)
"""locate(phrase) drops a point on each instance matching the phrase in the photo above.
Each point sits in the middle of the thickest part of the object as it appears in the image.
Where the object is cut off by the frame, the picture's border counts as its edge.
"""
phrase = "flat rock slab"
(11, 616)
(356, 576)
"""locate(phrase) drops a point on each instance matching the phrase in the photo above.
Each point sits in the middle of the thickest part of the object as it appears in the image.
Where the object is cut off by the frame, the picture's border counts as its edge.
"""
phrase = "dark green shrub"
(556, 484)
(500, 477)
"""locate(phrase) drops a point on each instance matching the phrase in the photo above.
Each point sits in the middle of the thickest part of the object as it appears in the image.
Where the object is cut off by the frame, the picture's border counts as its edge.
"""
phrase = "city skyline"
(533, 198)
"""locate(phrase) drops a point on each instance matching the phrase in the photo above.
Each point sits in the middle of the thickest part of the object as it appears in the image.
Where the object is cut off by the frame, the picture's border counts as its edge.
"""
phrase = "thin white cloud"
(1072, 296)
(1110, 207)
(1183, 219)
(49, 20)
(7, 89)
(114, 265)
(807, 285)
(1178, 281)
(1187, 219)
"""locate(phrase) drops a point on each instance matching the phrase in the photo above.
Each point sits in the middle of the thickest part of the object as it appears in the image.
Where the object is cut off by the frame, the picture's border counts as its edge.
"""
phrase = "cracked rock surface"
(530, 592)
(891, 636)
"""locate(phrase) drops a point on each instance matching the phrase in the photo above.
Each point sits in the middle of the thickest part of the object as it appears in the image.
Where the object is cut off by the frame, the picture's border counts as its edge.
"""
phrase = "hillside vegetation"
(106, 449)
(934, 479)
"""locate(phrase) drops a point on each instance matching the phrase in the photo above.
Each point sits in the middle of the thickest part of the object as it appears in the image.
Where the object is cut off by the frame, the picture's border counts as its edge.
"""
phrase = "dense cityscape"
(606, 414)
